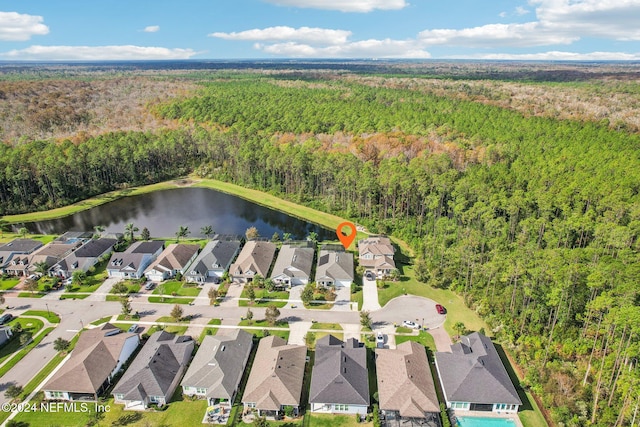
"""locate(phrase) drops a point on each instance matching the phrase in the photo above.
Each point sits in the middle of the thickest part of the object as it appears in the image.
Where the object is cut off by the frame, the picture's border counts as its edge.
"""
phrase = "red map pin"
(348, 239)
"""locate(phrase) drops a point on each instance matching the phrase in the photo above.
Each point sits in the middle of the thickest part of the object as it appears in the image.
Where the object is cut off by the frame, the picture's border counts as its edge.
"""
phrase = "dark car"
(440, 309)
(5, 318)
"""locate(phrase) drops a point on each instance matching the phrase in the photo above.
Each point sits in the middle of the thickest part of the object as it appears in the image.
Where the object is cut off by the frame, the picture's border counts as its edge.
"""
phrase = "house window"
(201, 390)
(153, 399)
(342, 407)
(56, 394)
(251, 405)
(119, 396)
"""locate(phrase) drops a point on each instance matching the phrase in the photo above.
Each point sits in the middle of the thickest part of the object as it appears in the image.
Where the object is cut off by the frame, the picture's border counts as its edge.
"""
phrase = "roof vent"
(222, 348)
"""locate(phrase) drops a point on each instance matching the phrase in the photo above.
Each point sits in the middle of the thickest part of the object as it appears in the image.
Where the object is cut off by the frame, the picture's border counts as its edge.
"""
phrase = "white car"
(380, 340)
(410, 324)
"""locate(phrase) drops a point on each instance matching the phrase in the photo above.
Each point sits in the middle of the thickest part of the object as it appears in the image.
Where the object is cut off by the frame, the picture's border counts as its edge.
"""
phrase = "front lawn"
(22, 353)
(170, 300)
(263, 298)
(423, 338)
(30, 327)
(263, 323)
(75, 296)
(101, 321)
(49, 315)
(31, 294)
(177, 288)
(8, 283)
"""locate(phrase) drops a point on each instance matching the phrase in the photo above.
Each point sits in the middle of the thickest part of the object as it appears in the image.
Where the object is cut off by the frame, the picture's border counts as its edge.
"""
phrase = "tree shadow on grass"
(526, 404)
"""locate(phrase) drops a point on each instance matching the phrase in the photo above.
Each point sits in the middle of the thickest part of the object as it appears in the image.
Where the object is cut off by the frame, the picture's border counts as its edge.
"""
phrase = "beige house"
(173, 260)
(97, 357)
(376, 254)
(405, 385)
(255, 258)
(276, 378)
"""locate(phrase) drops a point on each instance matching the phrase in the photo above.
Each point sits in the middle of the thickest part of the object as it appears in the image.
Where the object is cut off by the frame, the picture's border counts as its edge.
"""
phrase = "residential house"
(255, 258)
(474, 378)
(405, 385)
(217, 368)
(340, 380)
(334, 268)
(131, 263)
(276, 377)
(293, 265)
(83, 258)
(213, 260)
(49, 254)
(97, 357)
(16, 252)
(173, 260)
(5, 334)
(155, 372)
(376, 254)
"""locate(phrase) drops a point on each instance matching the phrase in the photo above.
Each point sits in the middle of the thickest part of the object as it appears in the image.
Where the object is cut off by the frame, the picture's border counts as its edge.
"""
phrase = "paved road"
(75, 314)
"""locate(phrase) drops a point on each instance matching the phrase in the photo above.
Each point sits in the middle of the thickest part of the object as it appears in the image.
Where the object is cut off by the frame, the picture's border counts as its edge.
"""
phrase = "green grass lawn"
(261, 296)
(101, 320)
(171, 300)
(330, 420)
(75, 296)
(6, 284)
(30, 327)
(22, 353)
(423, 338)
(176, 288)
(330, 326)
(263, 323)
(49, 315)
(31, 294)
(209, 331)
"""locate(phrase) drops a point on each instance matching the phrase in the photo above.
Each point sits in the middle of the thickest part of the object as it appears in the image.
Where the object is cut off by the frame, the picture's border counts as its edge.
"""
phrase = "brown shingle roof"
(405, 383)
(276, 375)
(94, 357)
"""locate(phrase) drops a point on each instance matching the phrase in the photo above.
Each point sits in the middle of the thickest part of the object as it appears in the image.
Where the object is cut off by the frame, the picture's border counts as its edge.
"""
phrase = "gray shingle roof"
(473, 372)
(155, 367)
(147, 247)
(174, 257)
(337, 265)
(293, 261)
(219, 363)
(216, 252)
(86, 254)
(340, 372)
(405, 383)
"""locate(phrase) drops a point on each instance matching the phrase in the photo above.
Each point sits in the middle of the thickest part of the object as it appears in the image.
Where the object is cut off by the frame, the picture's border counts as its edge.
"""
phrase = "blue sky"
(252, 29)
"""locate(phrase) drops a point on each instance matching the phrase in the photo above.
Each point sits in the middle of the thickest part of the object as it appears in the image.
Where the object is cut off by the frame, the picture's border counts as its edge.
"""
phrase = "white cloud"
(521, 11)
(361, 6)
(487, 36)
(97, 53)
(612, 19)
(302, 34)
(19, 27)
(152, 29)
(361, 49)
(502, 14)
(558, 56)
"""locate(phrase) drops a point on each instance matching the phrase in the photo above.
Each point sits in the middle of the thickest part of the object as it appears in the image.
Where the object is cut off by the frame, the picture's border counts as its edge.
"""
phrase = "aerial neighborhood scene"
(305, 213)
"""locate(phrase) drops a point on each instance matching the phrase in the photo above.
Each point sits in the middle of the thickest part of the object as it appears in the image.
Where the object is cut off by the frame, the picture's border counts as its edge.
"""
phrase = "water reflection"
(163, 212)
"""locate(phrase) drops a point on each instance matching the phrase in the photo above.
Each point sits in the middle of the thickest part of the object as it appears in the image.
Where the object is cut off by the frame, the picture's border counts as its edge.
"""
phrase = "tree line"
(535, 221)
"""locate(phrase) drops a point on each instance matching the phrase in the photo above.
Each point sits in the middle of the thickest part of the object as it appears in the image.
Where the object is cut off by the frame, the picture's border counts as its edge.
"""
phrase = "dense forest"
(533, 219)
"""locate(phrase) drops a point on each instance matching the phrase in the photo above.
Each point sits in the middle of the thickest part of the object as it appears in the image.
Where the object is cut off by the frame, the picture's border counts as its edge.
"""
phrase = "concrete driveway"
(101, 293)
(343, 299)
(369, 295)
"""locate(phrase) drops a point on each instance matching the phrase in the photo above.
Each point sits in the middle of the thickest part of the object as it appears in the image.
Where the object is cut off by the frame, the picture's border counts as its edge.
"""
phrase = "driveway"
(233, 293)
(369, 295)
(297, 331)
(100, 294)
(343, 299)
(295, 300)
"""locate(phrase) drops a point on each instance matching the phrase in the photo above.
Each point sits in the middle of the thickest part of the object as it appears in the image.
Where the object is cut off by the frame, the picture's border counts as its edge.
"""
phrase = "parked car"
(149, 286)
(379, 340)
(440, 309)
(6, 318)
(410, 324)
(133, 329)
(369, 275)
(68, 281)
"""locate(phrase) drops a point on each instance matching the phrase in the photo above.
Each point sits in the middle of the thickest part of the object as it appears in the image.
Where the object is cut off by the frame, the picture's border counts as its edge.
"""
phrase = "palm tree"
(207, 230)
(130, 229)
(23, 232)
(41, 267)
(286, 237)
(182, 232)
(98, 230)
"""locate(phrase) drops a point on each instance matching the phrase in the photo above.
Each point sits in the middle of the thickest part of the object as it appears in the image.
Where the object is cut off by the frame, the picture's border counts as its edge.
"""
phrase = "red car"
(440, 309)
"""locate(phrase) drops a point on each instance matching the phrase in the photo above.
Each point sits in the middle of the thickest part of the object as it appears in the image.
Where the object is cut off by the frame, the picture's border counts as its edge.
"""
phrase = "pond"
(163, 212)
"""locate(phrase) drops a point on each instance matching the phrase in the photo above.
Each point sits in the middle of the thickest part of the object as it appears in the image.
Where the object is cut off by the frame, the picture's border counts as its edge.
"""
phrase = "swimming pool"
(485, 422)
